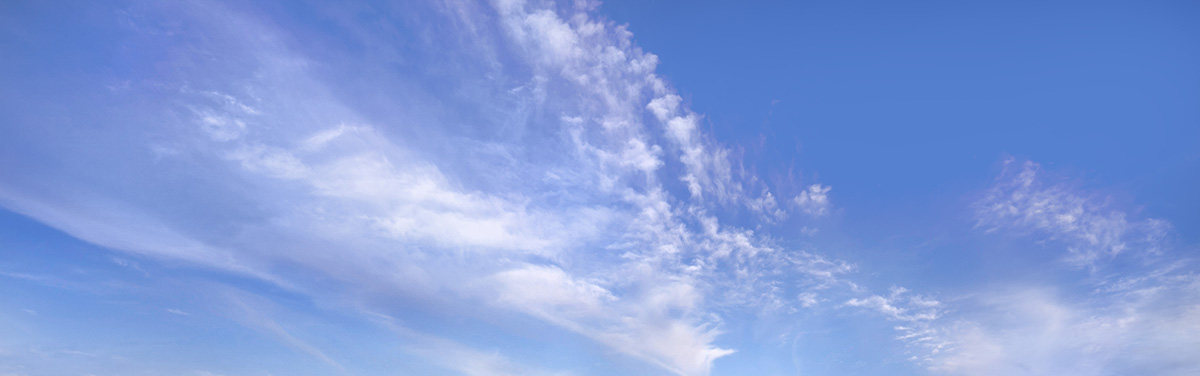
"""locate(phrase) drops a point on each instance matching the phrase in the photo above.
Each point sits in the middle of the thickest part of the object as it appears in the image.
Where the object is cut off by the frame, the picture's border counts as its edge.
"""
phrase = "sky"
(511, 187)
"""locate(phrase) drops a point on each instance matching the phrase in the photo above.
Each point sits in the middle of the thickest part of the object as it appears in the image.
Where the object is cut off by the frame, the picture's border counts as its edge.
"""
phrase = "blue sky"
(580, 188)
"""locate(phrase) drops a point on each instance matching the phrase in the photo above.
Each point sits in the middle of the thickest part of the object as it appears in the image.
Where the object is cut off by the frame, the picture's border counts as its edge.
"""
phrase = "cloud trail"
(1133, 312)
(577, 189)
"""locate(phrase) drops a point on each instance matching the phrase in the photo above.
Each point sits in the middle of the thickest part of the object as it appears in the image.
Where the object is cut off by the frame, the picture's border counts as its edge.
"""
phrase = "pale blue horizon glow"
(517, 187)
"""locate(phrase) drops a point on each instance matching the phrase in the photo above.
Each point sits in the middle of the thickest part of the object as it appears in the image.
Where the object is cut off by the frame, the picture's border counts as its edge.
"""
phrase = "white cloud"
(457, 357)
(254, 312)
(222, 128)
(643, 325)
(577, 228)
(814, 200)
(808, 299)
(271, 161)
(1132, 316)
(110, 224)
(1039, 332)
(918, 317)
(708, 166)
(1129, 317)
(669, 245)
(1092, 231)
(473, 362)
(767, 207)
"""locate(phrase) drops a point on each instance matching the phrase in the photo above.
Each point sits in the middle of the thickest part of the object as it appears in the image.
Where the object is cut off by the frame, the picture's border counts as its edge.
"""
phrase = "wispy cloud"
(522, 160)
(584, 193)
(1092, 231)
(460, 358)
(814, 200)
(1128, 315)
(916, 318)
(1040, 331)
(254, 312)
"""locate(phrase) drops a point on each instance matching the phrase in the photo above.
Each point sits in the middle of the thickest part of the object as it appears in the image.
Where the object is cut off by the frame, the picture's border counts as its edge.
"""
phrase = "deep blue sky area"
(577, 188)
(918, 99)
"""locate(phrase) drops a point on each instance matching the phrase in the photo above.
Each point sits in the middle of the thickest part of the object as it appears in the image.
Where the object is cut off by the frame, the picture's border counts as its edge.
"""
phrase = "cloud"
(1039, 331)
(472, 362)
(642, 326)
(1126, 316)
(899, 307)
(1090, 229)
(254, 312)
(111, 224)
(767, 207)
(814, 200)
(709, 166)
(221, 128)
(536, 177)
(455, 356)
(917, 317)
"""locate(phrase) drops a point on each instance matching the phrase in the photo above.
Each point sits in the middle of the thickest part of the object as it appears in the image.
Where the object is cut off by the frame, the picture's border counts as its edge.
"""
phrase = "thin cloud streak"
(1136, 321)
(523, 161)
(597, 242)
